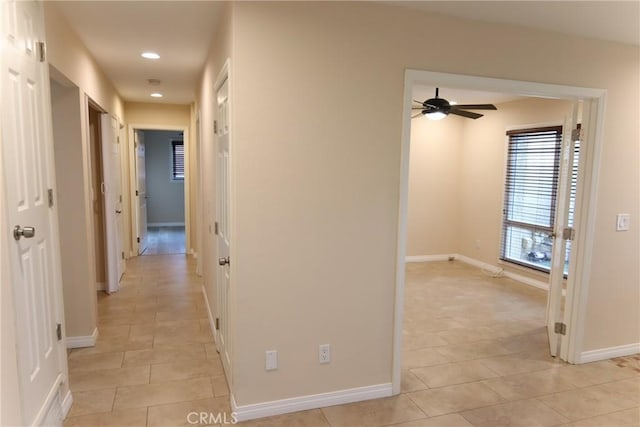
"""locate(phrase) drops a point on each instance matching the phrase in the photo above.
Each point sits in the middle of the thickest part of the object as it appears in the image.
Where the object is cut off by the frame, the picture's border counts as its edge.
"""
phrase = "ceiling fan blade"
(419, 102)
(474, 106)
(467, 114)
(416, 115)
(418, 108)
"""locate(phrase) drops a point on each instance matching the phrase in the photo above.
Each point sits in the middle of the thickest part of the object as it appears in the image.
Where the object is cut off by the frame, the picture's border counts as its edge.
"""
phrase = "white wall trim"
(429, 258)
(165, 224)
(302, 403)
(495, 269)
(83, 341)
(66, 404)
(609, 353)
(528, 280)
(212, 323)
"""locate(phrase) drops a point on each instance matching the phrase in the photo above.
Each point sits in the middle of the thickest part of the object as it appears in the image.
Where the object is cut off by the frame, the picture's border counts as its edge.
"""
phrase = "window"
(177, 165)
(533, 169)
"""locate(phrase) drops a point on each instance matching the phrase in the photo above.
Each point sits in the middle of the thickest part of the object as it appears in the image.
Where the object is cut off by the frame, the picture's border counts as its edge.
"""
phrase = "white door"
(142, 191)
(110, 173)
(559, 255)
(27, 151)
(223, 228)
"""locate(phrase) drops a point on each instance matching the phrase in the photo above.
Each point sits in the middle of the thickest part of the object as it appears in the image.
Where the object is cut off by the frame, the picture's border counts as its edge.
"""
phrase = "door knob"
(27, 232)
(223, 261)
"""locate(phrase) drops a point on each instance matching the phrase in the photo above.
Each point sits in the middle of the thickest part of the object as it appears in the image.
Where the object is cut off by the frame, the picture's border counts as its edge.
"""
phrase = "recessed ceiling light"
(150, 55)
(156, 95)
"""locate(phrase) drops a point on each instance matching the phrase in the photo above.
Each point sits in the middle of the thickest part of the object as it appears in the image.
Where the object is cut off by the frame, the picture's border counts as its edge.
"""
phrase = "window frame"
(508, 205)
(175, 175)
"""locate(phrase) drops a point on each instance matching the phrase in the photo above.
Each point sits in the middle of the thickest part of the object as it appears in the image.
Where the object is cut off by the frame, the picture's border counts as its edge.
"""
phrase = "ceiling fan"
(438, 108)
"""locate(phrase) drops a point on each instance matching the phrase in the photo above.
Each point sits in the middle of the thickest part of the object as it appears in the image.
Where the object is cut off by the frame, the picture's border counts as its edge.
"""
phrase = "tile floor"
(475, 354)
(165, 240)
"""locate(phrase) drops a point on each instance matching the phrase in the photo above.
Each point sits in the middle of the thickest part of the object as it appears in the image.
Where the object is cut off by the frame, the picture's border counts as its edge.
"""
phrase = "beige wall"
(321, 161)
(433, 223)
(220, 50)
(143, 113)
(67, 53)
(78, 268)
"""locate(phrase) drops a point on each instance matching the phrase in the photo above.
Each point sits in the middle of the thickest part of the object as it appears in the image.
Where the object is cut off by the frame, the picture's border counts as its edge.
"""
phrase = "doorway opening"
(464, 240)
(160, 187)
(97, 201)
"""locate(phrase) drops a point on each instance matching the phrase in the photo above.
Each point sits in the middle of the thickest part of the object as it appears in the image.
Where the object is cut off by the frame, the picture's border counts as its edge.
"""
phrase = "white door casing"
(223, 228)
(141, 177)
(110, 173)
(555, 299)
(27, 145)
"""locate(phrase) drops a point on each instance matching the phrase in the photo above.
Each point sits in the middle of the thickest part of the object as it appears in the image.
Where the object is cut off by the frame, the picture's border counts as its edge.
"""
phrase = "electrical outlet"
(622, 222)
(271, 360)
(324, 353)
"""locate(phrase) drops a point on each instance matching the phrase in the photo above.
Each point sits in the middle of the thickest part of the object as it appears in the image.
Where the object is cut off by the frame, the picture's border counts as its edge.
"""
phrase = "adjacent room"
(479, 238)
(163, 180)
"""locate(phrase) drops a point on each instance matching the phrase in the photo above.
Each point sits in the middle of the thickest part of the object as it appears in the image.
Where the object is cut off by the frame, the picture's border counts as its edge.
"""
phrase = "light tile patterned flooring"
(475, 354)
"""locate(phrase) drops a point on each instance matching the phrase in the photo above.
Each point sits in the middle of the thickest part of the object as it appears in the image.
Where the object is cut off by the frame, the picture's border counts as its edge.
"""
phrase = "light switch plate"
(622, 221)
(271, 360)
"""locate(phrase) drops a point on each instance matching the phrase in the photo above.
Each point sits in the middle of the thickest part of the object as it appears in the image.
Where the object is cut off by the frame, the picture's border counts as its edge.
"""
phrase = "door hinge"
(122, 255)
(138, 239)
(568, 233)
(118, 139)
(217, 324)
(215, 127)
(50, 196)
(59, 332)
(217, 228)
(137, 192)
(560, 328)
(576, 134)
(41, 50)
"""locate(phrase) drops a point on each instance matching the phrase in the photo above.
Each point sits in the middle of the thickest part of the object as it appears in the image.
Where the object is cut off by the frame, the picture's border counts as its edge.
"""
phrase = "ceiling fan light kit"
(438, 108)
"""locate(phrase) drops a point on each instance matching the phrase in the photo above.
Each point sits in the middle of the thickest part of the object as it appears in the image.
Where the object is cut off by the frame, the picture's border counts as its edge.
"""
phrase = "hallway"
(155, 359)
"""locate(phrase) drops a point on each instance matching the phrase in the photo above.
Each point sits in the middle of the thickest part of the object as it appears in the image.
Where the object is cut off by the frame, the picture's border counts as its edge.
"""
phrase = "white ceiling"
(617, 21)
(116, 32)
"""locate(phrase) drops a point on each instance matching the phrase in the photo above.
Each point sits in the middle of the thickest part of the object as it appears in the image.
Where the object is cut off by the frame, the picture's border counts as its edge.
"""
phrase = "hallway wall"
(72, 175)
(331, 213)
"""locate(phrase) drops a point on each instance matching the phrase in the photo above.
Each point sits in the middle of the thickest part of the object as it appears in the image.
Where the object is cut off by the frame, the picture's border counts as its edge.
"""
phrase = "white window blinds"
(177, 168)
(533, 167)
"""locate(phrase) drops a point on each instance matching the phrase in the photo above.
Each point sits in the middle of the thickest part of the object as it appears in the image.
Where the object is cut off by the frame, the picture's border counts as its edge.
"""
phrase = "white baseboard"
(483, 265)
(476, 263)
(66, 404)
(212, 323)
(165, 224)
(303, 403)
(428, 258)
(83, 341)
(528, 281)
(609, 353)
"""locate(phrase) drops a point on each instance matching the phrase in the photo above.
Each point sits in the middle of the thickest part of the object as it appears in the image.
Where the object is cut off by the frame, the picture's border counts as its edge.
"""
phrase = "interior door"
(27, 152)
(117, 174)
(142, 191)
(223, 228)
(556, 328)
(110, 161)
